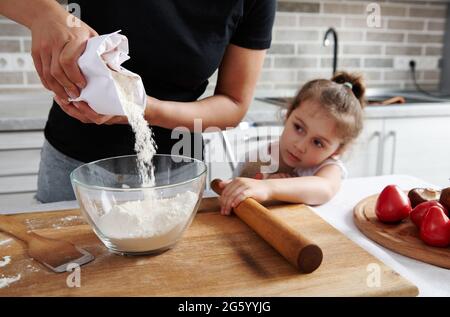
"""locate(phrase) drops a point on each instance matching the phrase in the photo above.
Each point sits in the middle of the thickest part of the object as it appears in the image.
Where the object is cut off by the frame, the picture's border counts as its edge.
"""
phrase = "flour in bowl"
(140, 226)
(145, 146)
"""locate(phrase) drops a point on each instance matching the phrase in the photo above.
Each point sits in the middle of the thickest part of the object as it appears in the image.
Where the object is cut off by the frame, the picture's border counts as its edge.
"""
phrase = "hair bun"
(356, 81)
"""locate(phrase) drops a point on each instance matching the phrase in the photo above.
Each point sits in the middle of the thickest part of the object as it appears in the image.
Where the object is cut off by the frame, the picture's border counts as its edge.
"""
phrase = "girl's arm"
(311, 190)
(237, 78)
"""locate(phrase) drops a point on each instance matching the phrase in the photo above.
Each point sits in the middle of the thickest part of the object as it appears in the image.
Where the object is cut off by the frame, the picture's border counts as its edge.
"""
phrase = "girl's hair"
(342, 97)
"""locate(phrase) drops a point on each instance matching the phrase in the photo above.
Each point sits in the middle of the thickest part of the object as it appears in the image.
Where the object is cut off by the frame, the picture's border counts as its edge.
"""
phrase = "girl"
(323, 119)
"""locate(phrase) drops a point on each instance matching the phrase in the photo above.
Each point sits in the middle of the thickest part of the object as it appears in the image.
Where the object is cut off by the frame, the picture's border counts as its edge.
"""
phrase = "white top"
(268, 154)
(313, 170)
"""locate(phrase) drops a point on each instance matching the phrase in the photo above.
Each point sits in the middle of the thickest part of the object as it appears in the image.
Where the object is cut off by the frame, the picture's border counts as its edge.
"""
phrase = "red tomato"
(435, 228)
(421, 210)
(392, 205)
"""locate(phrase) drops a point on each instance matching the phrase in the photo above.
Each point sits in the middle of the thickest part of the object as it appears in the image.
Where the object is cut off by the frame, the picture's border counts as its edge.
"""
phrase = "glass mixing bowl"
(133, 220)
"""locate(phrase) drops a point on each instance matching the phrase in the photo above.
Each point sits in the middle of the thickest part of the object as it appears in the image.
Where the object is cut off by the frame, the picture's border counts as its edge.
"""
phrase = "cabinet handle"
(393, 134)
(208, 162)
(377, 134)
(229, 151)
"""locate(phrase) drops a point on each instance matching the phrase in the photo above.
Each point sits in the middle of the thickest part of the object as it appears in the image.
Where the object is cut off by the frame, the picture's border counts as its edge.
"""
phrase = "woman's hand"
(237, 190)
(56, 47)
(80, 110)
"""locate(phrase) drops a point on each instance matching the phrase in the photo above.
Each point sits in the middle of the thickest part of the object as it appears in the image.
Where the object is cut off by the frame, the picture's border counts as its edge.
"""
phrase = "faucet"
(326, 42)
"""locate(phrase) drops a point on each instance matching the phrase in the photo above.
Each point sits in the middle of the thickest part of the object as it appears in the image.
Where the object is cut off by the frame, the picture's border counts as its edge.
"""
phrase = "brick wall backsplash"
(408, 30)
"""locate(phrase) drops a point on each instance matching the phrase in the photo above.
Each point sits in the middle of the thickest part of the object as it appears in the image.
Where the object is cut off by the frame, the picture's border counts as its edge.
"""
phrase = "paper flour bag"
(108, 83)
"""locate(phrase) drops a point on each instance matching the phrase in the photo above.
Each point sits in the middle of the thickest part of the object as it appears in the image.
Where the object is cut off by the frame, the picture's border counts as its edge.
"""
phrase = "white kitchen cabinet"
(419, 147)
(412, 146)
(363, 157)
(19, 164)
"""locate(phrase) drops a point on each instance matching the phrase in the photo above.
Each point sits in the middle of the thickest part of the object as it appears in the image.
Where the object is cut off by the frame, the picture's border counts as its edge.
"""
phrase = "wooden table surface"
(217, 256)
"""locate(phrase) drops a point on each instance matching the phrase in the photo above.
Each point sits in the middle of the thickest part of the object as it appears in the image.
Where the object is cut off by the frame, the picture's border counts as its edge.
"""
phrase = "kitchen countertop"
(29, 111)
(431, 280)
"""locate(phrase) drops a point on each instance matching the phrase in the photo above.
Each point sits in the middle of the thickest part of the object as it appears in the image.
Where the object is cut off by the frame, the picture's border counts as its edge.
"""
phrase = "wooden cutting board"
(217, 256)
(402, 238)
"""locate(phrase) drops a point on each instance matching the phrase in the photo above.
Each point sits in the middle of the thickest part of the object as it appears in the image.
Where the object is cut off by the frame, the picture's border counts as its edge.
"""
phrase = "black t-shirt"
(175, 46)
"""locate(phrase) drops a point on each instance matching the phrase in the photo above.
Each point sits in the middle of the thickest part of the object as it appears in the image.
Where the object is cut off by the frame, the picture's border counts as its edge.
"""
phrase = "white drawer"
(19, 162)
(21, 140)
(14, 201)
(18, 184)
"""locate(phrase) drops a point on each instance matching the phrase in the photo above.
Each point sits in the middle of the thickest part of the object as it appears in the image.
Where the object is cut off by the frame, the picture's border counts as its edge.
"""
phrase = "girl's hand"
(237, 190)
(80, 110)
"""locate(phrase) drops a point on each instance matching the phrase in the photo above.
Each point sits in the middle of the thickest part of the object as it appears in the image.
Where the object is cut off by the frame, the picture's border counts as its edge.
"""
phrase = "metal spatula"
(54, 254)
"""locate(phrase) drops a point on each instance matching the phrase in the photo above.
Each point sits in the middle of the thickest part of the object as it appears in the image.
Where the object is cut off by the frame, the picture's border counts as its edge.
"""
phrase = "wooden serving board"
(402, 238)
(217, 256)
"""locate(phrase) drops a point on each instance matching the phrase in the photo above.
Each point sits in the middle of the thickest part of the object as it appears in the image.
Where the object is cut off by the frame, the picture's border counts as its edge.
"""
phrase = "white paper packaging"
(104, 54)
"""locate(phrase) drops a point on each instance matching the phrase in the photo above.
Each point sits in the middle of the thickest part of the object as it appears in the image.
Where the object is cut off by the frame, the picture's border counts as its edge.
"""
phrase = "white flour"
(6, 260)
(64, 222)
(6, 281)
(139, 226)
(145, 145)
(32, 268)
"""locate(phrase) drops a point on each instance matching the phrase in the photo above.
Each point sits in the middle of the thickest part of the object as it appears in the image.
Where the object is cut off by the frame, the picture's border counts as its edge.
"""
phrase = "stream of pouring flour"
(145, 146)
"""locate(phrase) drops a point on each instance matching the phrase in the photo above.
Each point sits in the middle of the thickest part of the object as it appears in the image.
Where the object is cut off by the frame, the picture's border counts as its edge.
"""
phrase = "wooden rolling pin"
(297, 249)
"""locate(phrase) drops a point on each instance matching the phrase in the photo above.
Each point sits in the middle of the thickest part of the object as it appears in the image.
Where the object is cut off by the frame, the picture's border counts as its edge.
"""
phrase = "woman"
(175, 46)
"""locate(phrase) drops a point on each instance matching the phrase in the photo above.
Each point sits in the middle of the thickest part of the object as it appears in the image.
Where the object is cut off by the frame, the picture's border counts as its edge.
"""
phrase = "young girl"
(323, 119)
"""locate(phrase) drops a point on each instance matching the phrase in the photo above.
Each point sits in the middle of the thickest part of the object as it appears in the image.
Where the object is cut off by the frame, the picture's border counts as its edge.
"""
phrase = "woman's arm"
(56, 46)
(237, 78)
(236, 82)
(24, 12)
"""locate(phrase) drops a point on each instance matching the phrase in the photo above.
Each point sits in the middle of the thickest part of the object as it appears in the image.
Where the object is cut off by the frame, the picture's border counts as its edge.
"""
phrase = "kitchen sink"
(373, 99)
(377, 100)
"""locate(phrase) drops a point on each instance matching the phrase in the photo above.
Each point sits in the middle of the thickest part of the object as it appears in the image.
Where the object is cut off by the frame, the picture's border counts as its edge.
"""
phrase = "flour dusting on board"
(6, 260)
(6, 281)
